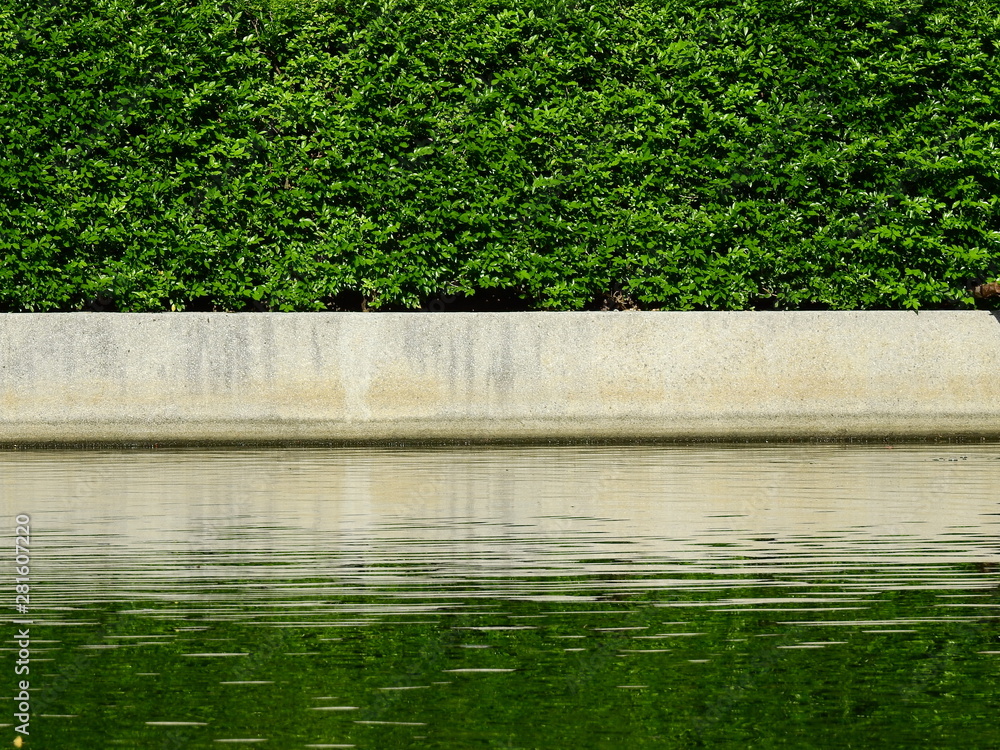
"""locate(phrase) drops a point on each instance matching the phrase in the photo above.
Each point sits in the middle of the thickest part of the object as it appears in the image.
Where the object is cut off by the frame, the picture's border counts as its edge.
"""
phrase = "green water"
(635, 597)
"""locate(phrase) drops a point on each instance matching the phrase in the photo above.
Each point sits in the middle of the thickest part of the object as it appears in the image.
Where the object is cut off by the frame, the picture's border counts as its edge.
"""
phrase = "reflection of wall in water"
(664, 499)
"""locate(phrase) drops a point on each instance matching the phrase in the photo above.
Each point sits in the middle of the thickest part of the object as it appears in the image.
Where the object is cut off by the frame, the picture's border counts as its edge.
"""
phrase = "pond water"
(511, 597)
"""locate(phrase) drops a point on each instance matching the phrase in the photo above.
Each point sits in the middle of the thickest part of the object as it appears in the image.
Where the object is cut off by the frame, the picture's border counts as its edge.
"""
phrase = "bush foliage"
(350, 154)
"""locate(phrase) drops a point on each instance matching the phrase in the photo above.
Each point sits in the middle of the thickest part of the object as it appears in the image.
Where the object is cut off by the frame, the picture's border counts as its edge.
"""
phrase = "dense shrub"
(332, 154)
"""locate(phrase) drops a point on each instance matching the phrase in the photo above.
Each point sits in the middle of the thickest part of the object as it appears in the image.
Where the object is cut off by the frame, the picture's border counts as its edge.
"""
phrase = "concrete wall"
(195, 377)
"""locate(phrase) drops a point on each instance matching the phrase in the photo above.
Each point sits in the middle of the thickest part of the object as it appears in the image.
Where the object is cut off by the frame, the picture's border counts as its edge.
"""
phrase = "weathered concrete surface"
(193, 377)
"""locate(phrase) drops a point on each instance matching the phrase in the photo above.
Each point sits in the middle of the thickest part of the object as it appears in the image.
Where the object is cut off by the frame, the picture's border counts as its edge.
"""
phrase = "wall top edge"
(521, 314)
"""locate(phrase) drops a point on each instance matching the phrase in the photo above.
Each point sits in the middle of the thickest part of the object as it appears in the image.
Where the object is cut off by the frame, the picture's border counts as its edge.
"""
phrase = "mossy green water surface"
(795, 596)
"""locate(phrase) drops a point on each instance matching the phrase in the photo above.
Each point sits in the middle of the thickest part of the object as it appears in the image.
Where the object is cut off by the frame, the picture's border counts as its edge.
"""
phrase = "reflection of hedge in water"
(331, 154)
(749, 679)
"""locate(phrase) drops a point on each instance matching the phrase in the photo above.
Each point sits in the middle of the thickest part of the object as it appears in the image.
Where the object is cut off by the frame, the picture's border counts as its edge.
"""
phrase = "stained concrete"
(196, 377)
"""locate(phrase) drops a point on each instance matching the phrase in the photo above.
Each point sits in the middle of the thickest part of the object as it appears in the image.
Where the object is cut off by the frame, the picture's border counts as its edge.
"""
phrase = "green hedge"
(336, 154)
